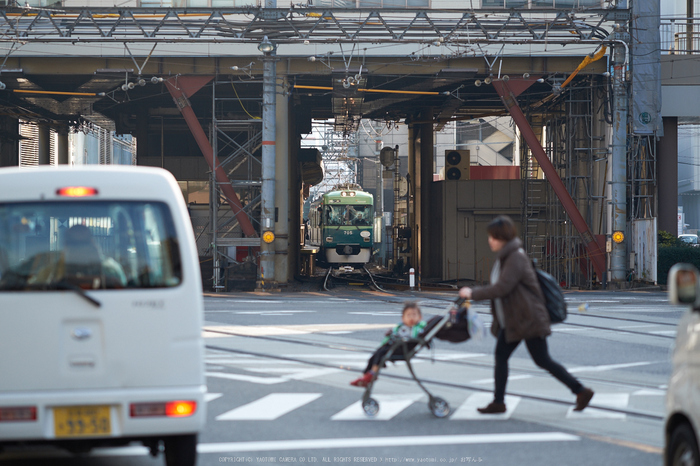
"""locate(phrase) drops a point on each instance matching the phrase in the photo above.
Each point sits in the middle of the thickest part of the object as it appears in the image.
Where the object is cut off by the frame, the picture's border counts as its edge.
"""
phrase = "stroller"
(453, 327)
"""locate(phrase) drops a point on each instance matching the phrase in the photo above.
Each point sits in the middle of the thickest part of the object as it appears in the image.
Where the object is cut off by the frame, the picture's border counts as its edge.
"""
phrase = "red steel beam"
(508, 91)
(180, 89)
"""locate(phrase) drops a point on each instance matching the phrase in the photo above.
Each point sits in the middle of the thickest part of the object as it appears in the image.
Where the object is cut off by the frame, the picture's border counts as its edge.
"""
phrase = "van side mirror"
(683, 285)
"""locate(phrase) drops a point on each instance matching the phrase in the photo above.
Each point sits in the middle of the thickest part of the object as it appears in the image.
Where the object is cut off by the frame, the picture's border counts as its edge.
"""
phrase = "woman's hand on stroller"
(465, 293)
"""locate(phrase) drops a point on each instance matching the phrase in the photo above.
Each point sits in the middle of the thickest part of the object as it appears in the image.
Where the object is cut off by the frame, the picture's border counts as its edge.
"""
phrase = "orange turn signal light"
(178, 408)
(76, 191)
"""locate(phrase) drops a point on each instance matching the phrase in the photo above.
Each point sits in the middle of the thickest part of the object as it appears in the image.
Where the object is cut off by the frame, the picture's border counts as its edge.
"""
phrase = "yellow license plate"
(82, 421)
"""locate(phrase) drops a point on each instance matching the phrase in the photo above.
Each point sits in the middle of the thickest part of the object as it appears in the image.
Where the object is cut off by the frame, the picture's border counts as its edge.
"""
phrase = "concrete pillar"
(62, 149)
(9, 142)
(413, 153)
(283, 187)
(424, 208)
(44, 144)
(142, 149)
(667, 176)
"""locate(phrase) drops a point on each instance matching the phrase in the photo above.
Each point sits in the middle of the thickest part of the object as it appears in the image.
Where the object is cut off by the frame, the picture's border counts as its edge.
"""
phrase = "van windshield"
(91, 245)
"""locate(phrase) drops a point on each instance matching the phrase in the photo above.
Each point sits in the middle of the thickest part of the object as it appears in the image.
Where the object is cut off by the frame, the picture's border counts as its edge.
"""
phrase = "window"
(348, 215)
(90, 245)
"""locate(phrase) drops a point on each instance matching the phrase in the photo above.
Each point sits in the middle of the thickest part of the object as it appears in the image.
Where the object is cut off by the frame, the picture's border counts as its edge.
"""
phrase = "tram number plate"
(82, 421)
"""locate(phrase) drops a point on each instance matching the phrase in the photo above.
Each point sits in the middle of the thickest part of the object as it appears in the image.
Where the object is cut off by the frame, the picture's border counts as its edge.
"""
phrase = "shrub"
(666, 239)
(670, 255)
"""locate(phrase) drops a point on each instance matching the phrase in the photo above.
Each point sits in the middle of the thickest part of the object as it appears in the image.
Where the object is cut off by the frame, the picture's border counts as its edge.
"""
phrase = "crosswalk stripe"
(609, 367)
(370, 442)
(608, 400)
(389, 406)
(468, 409)
(511, 378)
(269, 408)
(291, 375)
(360, 443)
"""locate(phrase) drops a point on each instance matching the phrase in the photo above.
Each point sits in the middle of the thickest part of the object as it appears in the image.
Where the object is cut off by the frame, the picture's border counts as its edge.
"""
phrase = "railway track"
(451, 363)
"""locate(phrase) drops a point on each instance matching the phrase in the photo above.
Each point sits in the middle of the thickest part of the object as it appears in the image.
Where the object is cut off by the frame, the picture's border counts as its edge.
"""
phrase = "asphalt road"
(279, 367)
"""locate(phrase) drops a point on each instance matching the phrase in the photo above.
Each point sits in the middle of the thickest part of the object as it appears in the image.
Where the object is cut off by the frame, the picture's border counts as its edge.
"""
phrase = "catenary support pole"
(267, 215)
(618, 165)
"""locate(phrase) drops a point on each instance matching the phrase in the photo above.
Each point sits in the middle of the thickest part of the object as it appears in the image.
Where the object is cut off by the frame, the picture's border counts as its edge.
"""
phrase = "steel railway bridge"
(222, 97)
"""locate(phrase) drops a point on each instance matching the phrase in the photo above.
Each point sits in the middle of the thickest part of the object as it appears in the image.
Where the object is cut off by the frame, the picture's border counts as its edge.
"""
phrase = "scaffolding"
(569, 135)
(236, 139)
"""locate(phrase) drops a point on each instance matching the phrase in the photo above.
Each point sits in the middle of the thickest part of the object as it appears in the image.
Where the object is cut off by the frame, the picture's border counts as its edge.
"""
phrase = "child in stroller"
(410, 327)
(405, 340)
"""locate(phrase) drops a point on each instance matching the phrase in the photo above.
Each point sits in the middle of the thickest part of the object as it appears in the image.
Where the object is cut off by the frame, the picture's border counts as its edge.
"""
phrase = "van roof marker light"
(76, 191)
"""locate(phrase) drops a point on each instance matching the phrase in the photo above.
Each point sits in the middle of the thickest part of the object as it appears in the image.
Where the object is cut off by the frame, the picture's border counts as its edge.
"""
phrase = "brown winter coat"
(525, 315)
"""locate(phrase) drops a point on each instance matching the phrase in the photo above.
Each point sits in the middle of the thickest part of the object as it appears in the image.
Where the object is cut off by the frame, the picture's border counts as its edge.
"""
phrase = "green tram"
(341, 224)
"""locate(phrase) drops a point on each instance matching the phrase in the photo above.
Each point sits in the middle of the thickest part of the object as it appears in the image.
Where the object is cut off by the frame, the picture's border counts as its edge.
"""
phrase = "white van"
(100, 311)
(682, 422)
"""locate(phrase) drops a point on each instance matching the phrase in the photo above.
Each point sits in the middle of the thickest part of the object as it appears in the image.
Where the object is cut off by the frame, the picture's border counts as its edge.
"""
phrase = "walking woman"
(519, 313)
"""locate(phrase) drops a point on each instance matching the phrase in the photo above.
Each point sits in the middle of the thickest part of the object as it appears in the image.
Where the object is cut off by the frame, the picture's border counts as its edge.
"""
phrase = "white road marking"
(369, 442)
(275, 312)
(244, 362)
(269, 408)
(649, 392)
(297, 375)
(593, 413)
(609, 400)
(512, 377)
(256, 301)
(636, 326)
(212, 396)
(609, 367)
(468, 409)
(389, 406)
(212, 331)
(358, 442)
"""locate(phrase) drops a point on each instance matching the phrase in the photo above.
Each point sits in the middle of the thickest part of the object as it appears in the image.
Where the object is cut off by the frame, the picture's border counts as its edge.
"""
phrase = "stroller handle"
(459, 301)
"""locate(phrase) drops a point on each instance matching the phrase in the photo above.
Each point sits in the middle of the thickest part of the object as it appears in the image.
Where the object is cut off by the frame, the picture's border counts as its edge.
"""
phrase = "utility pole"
(618, 185)
(269, 110)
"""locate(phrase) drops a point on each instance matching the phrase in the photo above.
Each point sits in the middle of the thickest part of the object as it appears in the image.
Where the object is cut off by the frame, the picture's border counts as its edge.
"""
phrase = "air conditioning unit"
(457, 162)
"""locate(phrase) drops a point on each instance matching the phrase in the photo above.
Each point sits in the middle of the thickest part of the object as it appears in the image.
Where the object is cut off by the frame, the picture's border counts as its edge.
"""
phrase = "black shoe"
(583, 398)
(493, 408)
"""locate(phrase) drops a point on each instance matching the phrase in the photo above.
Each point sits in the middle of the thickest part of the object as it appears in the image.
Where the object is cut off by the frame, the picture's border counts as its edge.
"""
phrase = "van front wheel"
(180, 450)
(684, 447)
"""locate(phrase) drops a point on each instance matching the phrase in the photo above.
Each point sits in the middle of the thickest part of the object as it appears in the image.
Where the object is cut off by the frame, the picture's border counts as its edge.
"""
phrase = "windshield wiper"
(64, 285)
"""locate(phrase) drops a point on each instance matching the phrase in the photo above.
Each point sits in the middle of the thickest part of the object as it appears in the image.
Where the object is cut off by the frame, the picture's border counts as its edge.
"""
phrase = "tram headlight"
(365, 234)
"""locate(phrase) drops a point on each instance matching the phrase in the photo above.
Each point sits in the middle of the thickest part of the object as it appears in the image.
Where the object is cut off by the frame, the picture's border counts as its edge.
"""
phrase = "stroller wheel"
(371, 407)
(439, 407)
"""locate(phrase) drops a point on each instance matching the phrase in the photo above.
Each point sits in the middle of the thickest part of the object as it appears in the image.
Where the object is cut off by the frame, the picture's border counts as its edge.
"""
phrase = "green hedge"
(668, 256)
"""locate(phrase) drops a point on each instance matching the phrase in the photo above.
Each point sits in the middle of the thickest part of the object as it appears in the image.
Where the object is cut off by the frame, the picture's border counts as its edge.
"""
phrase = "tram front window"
(348, 215)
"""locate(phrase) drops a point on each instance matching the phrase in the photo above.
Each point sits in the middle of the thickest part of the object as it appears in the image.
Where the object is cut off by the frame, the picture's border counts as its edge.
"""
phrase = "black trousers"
(537, 347)
(382, 351)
